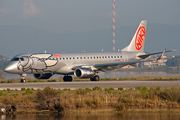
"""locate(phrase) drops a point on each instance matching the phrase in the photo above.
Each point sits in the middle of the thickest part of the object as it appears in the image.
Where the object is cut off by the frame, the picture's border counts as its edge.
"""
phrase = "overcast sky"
(84, 15)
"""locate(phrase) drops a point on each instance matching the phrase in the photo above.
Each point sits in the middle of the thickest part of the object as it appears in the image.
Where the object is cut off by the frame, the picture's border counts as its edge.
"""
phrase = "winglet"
(161, 55)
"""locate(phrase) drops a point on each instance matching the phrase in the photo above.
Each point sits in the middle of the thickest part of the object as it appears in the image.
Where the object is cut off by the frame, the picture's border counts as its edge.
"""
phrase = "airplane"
(81, 65)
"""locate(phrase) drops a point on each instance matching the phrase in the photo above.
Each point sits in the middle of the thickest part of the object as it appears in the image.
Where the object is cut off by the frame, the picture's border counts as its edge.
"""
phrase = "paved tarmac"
(90, 84)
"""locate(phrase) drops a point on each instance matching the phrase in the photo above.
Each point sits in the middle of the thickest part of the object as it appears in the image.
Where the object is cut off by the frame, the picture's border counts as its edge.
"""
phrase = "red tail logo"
(140, 36)
(57, 55)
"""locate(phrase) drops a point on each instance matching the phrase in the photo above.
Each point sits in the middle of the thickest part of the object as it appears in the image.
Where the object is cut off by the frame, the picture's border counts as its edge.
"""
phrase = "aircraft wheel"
(92, 79)
(96, 78)
(67, 78)
(23, 80)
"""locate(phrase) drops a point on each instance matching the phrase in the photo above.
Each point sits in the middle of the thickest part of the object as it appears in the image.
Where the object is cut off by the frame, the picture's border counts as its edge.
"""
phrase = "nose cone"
(10, 68)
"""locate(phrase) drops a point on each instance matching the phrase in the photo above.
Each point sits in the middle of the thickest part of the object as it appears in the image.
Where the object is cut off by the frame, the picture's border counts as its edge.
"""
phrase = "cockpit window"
(22, 59)
(15, 59)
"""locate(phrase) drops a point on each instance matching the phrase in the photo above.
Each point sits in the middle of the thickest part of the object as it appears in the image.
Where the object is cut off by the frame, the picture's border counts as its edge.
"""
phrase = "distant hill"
(3, 61)
(24, 39)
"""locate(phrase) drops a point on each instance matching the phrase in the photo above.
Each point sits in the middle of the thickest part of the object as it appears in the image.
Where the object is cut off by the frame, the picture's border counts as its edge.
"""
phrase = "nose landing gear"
(23, 80)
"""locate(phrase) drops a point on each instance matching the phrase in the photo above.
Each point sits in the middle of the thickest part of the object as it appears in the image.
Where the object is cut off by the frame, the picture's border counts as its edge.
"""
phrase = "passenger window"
(80, 57)
(63, 58)
(114, 56)
(111, 56)
(77, 58)
(73, 58)
(117, 56)
(84, 57)
(94, 57)
(87, 57)
(66, 58)
(108, 56)
(100, 57)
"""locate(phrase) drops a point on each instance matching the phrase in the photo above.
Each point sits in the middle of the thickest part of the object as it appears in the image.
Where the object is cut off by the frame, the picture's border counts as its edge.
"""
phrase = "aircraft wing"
(105, 65)
(119, 63)
(147, 55)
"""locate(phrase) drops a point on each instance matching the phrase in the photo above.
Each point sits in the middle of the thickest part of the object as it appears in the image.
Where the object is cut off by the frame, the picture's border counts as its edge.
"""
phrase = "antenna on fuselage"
(45, 51)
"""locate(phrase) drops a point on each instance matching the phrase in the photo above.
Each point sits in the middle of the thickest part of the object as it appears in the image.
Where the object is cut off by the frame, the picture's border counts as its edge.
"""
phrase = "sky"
(63, 16)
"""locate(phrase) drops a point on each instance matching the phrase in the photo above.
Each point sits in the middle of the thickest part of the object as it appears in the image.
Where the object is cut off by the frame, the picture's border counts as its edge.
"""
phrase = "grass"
(90, 99)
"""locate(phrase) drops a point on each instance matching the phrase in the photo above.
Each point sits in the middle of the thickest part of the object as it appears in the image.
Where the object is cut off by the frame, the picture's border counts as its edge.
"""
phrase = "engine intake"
(83, 73)
(43, 76)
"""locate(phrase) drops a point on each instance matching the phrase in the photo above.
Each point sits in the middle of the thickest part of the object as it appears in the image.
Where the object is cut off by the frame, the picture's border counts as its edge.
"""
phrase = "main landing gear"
(95, 78)
(67, 78)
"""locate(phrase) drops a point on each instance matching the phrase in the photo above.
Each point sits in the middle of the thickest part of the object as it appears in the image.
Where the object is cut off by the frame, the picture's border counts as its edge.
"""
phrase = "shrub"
(123, 100)
(81, 91)
(158, 88)
(120, 107)
(65, 89)
(45, 94)
(23, 89)
(170, 94)
(3, 81)
(96, 88)
(109, 90)
(53, 80)
(15, 95)
(130, 88)
(138, 88)
(1, 93)
(28, 92)
(28, 89)
(144, 90)
(88, 89)
(32, 89)
(8, 89)
(5, 94)
(120, 88)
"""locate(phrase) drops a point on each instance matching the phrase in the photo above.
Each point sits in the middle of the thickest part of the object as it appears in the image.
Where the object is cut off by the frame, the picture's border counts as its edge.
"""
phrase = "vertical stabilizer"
(137, 42)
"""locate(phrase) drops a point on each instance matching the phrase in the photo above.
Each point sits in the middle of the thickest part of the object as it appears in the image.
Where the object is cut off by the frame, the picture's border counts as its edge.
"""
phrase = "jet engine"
(43, 76)
(83, 73)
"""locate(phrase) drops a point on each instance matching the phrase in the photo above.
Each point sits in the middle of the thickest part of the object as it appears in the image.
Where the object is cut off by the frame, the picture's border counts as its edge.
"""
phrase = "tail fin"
(137, 42)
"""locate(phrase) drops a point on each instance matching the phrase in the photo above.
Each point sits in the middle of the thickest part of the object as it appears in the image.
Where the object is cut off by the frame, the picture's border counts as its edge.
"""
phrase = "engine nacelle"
(43, 76)
(83, 73)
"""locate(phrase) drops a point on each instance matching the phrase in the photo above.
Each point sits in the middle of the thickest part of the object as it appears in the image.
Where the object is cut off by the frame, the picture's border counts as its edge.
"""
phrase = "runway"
(90, 84)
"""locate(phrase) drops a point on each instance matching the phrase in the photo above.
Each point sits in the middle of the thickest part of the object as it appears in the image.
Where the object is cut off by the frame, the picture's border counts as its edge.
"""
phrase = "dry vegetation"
(29, 100)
